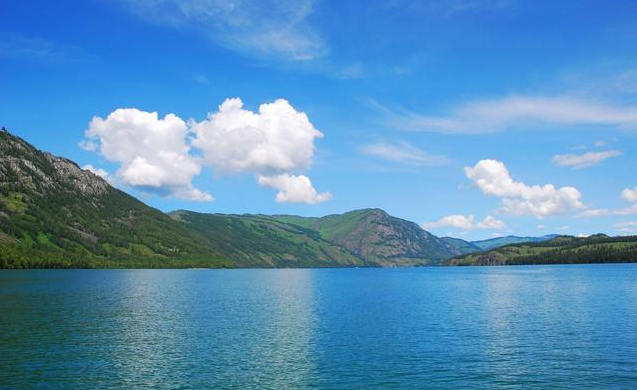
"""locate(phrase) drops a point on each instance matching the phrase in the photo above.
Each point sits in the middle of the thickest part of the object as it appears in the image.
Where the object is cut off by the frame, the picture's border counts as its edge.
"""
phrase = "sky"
(474, 119)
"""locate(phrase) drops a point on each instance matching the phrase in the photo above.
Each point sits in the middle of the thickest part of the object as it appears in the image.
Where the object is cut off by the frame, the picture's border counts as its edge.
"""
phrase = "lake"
(541, 327)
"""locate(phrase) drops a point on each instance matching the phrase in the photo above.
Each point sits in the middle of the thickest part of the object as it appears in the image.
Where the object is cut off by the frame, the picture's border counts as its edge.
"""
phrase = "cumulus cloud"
(485, 116)
(589, 159)
(294, 189)
(493, 178)
(277, 29)
(152, 153)
(404, 153)
(465, 223)
(277, 138)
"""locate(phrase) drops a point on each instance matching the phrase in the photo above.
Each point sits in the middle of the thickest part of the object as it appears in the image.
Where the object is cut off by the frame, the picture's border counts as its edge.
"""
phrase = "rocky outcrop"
(382, 239)
(21, 165)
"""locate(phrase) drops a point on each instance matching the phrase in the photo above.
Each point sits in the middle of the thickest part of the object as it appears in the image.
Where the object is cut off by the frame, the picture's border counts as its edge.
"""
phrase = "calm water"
(547, 327)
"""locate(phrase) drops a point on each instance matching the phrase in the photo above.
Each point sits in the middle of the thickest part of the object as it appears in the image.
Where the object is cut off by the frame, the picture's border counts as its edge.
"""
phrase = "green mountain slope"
(560, 250)
(257, 240)
(380, 239)
(493, 243)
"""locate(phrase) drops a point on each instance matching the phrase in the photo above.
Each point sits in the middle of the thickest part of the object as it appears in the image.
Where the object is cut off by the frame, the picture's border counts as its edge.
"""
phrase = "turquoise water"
(541, 327)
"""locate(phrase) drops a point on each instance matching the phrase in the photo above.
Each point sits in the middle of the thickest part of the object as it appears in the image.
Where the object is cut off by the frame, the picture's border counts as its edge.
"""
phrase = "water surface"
(542, 327)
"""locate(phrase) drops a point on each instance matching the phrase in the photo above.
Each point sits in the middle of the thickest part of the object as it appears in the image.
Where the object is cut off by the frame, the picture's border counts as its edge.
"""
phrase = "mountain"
(257, 241)
(461, 245)
(598, 248)
(379, 238)
(54, 214)
(492, 243)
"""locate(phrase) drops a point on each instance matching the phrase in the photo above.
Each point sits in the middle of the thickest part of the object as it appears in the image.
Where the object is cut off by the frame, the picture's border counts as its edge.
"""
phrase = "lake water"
(541, 327)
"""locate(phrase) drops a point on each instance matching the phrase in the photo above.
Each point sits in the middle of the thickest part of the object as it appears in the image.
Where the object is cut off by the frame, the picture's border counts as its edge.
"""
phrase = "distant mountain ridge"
(496, 242)
(462, 245)
(598, 248)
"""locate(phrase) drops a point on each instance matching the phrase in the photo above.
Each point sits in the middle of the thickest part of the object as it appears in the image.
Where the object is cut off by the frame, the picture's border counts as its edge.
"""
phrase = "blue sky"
(473, 118)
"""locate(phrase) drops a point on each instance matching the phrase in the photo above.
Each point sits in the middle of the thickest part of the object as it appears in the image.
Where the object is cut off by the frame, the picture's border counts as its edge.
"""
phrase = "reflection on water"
(439, 328)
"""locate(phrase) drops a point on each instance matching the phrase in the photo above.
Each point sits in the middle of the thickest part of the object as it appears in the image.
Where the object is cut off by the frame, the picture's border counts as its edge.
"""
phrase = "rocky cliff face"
(385, 240)
(24, 168)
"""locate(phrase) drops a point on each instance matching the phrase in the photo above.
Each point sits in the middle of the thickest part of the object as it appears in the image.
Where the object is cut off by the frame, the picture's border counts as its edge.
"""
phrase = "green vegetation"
(305, 222)
(258, 240)
(560, 250)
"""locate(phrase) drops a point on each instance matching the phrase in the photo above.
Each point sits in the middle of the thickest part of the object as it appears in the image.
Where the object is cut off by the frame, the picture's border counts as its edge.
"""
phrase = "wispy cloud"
(486, 116)
(589, 159)
(19, 46)
(404, 153)
(275, 29)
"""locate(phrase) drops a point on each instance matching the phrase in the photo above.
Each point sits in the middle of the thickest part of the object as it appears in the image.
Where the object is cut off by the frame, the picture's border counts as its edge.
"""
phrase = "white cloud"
(276, 139)
(584, 160)
(490, 223)
(465, 223)
(98, 171)
(294, 189)
(485, 116)
(493, 178)
(630, 195)
(540, 227)
(155, 154)
(260, 28)
(152, 152)
(404, 153)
